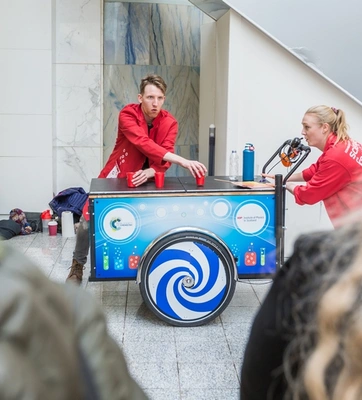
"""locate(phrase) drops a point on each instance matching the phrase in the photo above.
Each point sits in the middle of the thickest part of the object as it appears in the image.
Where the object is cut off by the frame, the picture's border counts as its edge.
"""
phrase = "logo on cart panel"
(119, 223)
(251, 218)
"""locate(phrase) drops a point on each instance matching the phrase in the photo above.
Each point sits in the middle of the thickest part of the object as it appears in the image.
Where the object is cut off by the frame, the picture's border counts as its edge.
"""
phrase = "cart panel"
(124, 227)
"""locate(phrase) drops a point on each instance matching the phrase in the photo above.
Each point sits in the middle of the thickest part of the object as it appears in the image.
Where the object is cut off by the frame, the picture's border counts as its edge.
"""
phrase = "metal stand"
(279, 219)
(280, 195)
(211, 170)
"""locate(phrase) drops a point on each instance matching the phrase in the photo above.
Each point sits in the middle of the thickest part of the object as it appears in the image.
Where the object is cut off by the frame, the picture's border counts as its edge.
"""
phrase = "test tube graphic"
(105, 257)
(262, 256)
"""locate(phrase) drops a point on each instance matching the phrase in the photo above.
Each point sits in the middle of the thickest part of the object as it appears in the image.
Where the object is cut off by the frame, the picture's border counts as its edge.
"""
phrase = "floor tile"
(204, 350)
(187, 334)
(210, 394)
(239, 315)
(163, 394)
(150, 350)
(113, 286)
(245, 299)
(155, 375)
(202, 375)
(261, 288)
(114, 298)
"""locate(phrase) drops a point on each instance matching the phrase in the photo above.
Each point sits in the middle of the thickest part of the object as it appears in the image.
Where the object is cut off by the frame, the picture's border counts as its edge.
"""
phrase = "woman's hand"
(268, 176)
(290, 186)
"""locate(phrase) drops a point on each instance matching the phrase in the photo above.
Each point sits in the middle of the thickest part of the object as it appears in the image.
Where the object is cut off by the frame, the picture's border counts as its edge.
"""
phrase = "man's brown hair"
(155, 80)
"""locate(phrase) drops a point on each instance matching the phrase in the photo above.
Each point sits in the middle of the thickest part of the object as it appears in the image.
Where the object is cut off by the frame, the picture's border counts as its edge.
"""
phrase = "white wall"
(51, 102)
(207, 88)
(215, 101)
(26, 157)
(268, 91)
(315, 42)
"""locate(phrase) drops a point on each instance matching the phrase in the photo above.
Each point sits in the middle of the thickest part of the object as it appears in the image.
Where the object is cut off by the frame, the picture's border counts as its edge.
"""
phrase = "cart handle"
(305, 149)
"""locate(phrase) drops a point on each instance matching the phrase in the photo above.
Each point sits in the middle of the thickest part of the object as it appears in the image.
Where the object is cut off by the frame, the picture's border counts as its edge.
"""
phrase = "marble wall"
(78, 69)
(142, 38)
(26, 160)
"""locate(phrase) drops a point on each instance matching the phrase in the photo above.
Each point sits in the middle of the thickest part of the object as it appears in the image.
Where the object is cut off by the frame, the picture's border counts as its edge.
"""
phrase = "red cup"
(53, 228)
(200, 180)
(159, 179)
(129, 179)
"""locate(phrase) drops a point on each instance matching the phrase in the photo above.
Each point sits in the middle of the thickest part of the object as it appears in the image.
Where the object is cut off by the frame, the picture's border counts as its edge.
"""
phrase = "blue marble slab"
(126, 33)
(151, 34)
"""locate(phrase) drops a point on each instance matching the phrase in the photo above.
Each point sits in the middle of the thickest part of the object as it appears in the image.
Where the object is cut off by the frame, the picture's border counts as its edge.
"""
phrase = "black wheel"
(187, 278)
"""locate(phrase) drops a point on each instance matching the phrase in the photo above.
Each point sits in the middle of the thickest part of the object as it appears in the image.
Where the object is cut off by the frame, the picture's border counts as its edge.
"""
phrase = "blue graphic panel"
(124, 227)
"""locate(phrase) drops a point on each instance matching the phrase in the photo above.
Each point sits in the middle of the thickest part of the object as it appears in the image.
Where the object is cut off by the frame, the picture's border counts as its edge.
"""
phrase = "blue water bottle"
(248, 162)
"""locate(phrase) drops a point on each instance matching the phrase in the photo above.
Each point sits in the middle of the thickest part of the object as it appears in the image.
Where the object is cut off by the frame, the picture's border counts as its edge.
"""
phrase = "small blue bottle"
(248, 162)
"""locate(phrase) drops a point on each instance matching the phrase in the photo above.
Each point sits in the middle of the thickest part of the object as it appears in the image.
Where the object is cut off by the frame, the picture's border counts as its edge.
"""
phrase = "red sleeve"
(128, 126)
(328, 180)
(309, 172)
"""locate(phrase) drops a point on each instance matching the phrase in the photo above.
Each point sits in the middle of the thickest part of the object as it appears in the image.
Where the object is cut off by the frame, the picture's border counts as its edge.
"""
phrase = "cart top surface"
(174, 185)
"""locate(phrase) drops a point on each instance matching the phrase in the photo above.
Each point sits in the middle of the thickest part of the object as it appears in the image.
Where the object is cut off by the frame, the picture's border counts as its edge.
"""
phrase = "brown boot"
(76, 273)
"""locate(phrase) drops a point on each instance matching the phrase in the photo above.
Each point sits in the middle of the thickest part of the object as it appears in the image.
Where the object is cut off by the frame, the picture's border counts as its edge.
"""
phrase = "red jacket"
(134, 145)
(336, 178)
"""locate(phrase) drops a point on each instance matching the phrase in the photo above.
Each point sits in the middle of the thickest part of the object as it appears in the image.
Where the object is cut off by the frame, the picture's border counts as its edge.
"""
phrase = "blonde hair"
(339, 327)
(326, 351)
(335, 118)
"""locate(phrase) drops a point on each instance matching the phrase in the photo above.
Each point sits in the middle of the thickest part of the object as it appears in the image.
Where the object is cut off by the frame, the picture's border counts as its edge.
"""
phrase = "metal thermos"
(248, 162)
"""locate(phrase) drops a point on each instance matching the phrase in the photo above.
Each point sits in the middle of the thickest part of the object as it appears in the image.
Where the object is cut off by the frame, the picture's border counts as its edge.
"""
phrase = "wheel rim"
(187, 280)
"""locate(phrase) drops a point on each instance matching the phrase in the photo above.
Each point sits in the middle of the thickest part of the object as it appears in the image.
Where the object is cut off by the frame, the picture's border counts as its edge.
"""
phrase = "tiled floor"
(170, 363)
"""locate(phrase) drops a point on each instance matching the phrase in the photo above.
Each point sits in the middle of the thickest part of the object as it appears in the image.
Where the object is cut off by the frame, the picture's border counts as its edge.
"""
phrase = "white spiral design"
(187, 259)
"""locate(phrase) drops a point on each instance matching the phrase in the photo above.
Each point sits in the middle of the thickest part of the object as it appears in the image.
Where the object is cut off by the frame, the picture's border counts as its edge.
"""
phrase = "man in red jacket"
(144, 145)
(146, 137)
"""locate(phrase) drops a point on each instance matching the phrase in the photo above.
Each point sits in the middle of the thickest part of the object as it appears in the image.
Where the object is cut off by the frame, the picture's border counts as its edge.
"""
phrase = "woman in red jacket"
(336, 177)
(144, 145)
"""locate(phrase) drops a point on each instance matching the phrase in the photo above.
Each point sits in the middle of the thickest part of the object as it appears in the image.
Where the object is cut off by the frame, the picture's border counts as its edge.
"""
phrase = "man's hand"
(142, 176)
(195, 167)
(28, 229)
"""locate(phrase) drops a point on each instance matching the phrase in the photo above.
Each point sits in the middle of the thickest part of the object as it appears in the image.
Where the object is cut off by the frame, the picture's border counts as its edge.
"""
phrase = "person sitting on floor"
(19, 217)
